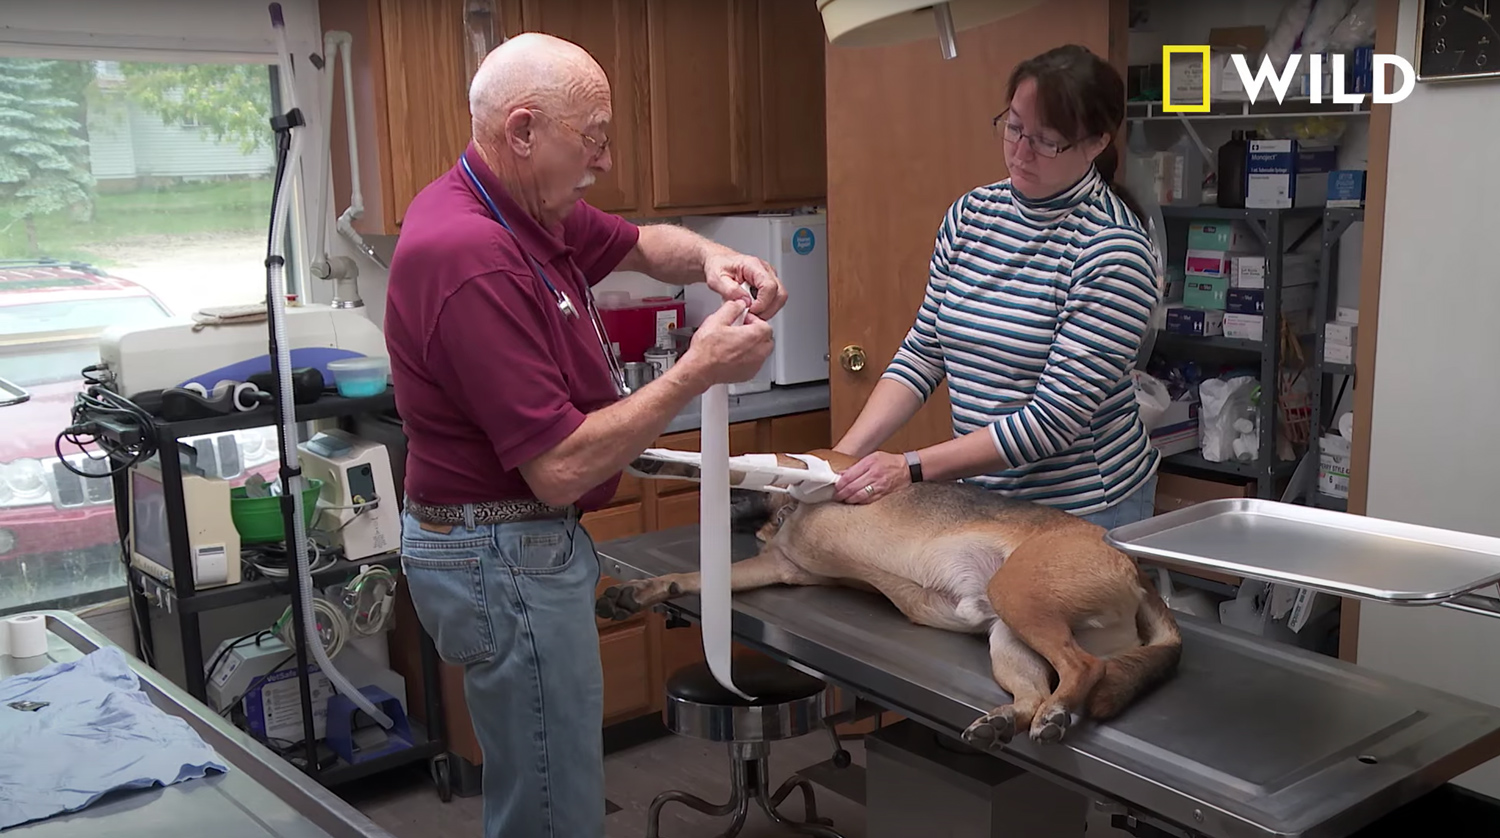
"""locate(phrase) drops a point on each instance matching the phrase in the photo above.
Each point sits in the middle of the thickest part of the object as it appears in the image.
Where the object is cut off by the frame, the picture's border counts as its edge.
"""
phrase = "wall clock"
(1458, 40)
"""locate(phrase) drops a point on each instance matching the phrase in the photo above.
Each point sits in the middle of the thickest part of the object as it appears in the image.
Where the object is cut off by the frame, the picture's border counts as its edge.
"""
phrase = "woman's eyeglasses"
(1013, 134)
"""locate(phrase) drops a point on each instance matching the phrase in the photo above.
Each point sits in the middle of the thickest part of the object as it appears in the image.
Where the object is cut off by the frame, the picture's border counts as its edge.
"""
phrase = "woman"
(1040, 290)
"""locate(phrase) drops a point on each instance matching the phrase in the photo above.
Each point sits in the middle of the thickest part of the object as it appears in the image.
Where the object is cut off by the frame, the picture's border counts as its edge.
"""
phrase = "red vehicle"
(58, 536)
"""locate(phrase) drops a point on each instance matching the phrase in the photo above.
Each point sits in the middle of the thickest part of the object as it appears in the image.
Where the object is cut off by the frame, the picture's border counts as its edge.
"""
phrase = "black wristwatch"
(914, 464)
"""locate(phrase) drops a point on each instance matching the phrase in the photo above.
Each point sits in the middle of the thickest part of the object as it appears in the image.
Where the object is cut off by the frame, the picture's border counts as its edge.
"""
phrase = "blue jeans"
(1138, 507)
(513, 604)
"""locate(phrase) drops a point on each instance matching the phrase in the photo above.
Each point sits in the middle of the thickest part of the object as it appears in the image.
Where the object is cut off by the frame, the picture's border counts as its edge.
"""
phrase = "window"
(130, 192)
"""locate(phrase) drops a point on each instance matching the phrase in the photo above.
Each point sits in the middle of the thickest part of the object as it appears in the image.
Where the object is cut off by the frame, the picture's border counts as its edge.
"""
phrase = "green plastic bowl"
(259, 520)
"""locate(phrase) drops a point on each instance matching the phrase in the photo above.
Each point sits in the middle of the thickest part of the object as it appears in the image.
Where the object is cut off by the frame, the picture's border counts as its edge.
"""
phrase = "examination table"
(261, 796)
(1250, 739)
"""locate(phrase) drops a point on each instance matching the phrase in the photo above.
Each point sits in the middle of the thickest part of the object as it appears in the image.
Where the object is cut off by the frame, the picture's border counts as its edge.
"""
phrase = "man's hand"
(676, 255)
(872, 478)
(725, 272)
(725, 351)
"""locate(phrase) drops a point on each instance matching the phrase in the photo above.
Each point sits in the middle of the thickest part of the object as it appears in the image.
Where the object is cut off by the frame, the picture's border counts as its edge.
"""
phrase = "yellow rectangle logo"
(1167, 105)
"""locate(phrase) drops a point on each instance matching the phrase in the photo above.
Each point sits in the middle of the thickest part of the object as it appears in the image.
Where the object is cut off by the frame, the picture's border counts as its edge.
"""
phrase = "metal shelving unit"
(180, 598)
(1280, 232)
(1336, 221)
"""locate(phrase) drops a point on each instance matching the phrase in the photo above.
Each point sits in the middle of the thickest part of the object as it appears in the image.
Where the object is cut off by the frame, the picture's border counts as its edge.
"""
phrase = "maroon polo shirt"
(488, 373)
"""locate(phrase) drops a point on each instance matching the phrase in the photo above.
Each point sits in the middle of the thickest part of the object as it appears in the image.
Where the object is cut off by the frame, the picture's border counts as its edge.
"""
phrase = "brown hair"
(1079, 95)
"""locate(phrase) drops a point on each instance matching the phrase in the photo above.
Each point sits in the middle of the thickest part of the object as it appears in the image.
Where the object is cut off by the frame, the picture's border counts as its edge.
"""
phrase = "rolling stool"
(788, 704)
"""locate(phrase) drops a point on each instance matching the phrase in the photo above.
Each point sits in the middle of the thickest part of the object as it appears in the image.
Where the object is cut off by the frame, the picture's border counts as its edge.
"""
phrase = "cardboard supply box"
(1346, 188)
(1177, 433)
(1285, 173)
(1343, 333)
(1271, 174)
(1176, 491)
(1245, 326)
(1186, 83)
(1213, 263)
(1345, 314)
(1314, 166)
(1253, 300)
(1225, 236)
(1334, 458)
(1296, 269)
(1338, 353)
(1206, 292)
(1196, 322)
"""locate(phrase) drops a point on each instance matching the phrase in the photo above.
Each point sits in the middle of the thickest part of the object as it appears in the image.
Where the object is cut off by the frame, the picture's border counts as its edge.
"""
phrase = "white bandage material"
(4, 638)
(28, 635)
(819, 485)
(714, 557)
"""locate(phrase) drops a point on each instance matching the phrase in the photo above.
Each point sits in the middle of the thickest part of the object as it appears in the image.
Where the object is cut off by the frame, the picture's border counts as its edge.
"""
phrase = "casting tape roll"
(241, 390)
(28, 635)
(714, 538)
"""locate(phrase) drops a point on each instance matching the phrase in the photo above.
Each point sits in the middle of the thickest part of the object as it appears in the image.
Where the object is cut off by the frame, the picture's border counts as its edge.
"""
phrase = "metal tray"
(262, 796)
(1337, 552)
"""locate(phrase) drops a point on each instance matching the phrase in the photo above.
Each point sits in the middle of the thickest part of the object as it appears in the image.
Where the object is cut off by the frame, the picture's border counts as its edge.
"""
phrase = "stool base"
(749, 783)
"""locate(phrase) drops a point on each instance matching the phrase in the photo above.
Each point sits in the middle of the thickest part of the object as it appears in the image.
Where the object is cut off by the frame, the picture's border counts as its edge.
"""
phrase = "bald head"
(540, 71)
(541, 116)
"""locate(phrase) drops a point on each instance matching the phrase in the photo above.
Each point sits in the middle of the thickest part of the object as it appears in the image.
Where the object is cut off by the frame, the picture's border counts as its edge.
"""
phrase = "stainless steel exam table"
(261, 796)
(1250, 739)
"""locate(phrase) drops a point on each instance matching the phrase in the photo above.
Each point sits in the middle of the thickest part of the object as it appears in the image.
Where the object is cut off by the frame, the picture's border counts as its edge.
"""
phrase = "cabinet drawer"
(625, 655)
(801, 432)
(629, 489)
(615, 522)
(677, 510)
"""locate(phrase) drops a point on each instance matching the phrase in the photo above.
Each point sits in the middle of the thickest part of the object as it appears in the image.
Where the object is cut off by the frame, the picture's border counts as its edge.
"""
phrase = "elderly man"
(515, 420)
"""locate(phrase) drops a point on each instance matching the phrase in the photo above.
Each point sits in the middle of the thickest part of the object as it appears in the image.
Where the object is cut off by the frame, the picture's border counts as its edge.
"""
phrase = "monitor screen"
(149, 508)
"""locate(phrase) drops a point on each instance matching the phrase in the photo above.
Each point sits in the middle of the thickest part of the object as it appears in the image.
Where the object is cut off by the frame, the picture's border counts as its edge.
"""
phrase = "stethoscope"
(564, 302)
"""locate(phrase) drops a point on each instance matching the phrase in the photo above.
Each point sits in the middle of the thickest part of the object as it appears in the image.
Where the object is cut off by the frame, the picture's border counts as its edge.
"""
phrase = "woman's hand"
(872, 478)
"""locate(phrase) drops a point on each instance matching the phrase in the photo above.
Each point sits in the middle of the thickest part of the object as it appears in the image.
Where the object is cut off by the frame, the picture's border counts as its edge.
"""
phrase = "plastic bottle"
(1232, 157)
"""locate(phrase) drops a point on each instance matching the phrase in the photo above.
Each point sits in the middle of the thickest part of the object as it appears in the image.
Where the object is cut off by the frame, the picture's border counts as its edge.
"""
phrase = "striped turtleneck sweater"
(1034, 313)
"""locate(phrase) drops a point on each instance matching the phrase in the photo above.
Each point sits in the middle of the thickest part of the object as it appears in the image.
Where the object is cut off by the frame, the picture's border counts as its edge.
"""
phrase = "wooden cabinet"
(793, 144)
(637, 654)
(411, 101)
(703, 94)
(614, 32)
(718, 104)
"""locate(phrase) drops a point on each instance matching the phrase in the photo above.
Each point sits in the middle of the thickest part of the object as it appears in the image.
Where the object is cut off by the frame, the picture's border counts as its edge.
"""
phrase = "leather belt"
(487, 512)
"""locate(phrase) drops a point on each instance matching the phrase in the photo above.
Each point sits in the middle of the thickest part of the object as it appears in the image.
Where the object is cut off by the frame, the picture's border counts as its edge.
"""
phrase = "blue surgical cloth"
(98, 733)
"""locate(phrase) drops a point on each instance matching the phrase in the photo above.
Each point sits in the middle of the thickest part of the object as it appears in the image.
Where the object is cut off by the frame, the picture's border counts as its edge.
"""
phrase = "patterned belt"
(487, 512)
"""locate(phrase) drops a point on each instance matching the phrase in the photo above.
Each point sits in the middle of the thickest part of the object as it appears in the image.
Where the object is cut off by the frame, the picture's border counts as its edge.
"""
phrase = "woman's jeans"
(1138, 507)
(513, 604)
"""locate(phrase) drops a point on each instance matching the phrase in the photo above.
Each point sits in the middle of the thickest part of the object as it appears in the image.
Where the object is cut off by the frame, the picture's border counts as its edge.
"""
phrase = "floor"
(405, 804)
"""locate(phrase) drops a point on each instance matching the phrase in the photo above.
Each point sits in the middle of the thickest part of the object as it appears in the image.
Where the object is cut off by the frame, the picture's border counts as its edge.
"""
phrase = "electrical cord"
(333, 627)
(260, 679)
(98, 409)
(370, 597)
(256, 636)
(271, 562)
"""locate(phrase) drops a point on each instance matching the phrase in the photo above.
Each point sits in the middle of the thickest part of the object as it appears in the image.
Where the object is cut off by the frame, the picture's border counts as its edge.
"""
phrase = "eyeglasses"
(595, 146)
(1013, 134)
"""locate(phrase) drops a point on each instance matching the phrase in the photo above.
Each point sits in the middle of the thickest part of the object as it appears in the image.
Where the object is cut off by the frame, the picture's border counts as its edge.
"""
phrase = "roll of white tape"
(241, 403)
(28, 635)
(4, 638)
(1346, 426)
